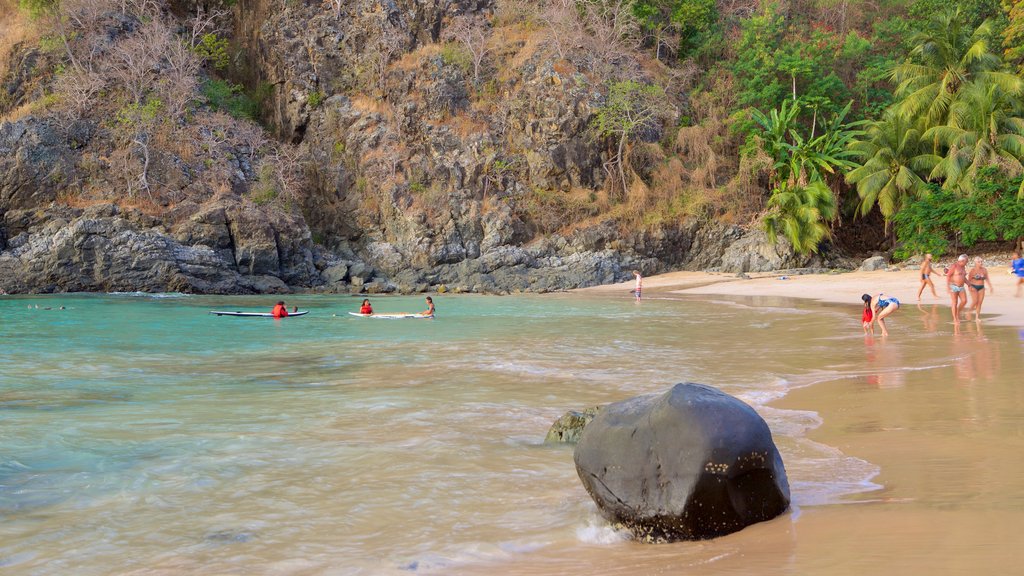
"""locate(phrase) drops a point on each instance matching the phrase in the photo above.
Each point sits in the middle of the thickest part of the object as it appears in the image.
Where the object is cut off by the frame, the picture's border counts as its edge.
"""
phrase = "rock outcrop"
(105, 249)
(568, 428)
(692, 463)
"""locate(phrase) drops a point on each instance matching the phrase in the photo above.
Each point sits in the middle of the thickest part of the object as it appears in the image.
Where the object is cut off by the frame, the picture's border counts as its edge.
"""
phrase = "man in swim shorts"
(956, 285)
(926, 273)
(639, 284)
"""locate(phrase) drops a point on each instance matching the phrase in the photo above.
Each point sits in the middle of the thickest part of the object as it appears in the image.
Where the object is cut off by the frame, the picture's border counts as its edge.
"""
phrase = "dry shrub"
(467, 125)
(367, 104)
(532, 41)
(411, 60)
(549, 211)
(524, 12)
(14, 28)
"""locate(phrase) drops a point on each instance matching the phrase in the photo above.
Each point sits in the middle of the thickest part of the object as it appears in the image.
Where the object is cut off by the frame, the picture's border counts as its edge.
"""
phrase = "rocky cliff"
(400, 160)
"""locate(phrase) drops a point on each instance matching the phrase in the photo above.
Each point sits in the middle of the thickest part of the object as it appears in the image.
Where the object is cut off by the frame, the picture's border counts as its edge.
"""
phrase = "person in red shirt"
(366, 308)
(867, 317)
(279, 311)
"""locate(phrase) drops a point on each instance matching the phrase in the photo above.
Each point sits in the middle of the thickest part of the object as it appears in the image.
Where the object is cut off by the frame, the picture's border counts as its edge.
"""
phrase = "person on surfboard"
(366, 308)
(280, 310)
(430, 307)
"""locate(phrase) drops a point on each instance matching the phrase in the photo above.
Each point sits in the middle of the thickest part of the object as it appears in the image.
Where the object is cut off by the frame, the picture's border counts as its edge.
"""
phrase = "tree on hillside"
(1013, 35)
(892, 161)
(631, 108)
(947, 56)
(983, 130)
(799, 212)
(801, 202)
(474, 35)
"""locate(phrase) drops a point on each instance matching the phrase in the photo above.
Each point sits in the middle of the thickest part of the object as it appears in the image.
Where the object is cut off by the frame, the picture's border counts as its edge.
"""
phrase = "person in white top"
(639, 284)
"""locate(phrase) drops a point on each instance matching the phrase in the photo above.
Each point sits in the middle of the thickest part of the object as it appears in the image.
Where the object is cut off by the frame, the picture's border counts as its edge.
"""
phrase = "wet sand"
(946, 439)
(999, 308)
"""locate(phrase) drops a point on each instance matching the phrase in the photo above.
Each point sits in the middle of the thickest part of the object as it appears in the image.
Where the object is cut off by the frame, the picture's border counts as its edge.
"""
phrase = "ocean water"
(141, 435)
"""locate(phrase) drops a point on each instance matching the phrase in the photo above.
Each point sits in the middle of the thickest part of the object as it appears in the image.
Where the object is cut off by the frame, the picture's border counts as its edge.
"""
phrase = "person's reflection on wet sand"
(977, 357)
(929, 317)
(883, 362)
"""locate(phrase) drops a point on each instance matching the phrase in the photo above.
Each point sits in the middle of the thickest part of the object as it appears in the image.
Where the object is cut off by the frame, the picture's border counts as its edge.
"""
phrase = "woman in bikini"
(977, 277)
(881, 307)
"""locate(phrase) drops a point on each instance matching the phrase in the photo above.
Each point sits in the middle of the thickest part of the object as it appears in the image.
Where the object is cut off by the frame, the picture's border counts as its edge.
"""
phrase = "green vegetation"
(914, 109)
(454, 54)
(230, 98)
(630, 108)
(215, 50)
(316, 98)
(265, 189)
(992, 212)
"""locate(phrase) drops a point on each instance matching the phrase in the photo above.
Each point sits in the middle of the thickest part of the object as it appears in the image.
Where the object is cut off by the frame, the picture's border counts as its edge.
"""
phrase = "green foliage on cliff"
(993, 212)
(215, 50)
(230, 98)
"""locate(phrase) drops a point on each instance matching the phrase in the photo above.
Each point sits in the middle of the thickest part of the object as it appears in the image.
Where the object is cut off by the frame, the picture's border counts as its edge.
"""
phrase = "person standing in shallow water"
(956, 285)
(976, 279)
(639, 284)
(926, 276)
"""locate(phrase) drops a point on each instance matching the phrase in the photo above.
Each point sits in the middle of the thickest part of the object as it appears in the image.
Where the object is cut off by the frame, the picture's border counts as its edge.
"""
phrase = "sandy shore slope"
(1000, 306)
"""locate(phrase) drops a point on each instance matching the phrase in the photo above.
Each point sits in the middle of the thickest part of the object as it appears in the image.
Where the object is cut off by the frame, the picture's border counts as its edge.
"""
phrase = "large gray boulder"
(690, 464)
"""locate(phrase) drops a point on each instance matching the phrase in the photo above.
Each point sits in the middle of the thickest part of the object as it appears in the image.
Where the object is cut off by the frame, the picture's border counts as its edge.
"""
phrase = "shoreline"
(1000, 307)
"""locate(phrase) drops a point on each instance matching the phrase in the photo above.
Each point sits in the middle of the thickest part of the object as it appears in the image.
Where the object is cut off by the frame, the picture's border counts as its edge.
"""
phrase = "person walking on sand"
(977, 277)
(926, 276)
(1017, 267)
(639, 284)
(881, 308)
(956, 285)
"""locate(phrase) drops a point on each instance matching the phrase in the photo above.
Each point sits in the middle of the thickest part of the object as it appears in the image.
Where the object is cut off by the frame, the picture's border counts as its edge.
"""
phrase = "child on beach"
(1017, 266)
(867, 317)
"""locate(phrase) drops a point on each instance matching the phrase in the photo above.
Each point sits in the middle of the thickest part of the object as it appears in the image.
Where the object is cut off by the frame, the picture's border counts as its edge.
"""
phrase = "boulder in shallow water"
(690, 464)
(568, 428)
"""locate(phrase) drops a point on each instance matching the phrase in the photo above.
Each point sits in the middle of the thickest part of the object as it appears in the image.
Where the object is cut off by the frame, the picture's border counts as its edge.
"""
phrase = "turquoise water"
(142, 435)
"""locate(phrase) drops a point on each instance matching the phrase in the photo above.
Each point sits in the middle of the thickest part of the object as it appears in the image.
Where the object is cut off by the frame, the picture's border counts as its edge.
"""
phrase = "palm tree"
(946, 57)
(892, 161)
(799, 213)
(983, 130)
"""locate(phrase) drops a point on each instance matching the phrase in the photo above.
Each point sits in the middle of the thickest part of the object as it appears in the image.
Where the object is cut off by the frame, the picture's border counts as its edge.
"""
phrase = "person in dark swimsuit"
(977, 277)
(926, 273)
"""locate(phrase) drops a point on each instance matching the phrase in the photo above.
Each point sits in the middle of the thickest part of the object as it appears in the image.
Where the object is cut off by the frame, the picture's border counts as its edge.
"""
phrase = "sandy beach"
(999, 308)
(941, 436)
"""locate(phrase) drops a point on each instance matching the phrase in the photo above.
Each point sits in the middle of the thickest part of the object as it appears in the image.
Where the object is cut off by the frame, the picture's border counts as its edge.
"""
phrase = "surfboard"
(256, 314)
(402, 316)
